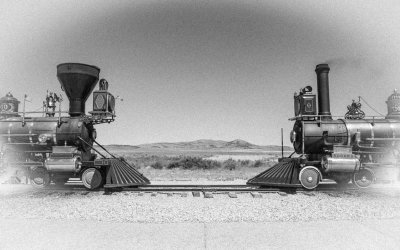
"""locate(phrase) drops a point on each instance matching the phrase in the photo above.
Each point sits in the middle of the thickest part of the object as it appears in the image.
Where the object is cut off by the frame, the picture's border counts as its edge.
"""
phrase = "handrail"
(32, 112)
(91, 147)
(340, 117)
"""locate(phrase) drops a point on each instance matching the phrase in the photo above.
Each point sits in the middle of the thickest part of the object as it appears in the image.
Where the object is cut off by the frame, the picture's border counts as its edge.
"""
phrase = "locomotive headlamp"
(292, 136)
(43, 138)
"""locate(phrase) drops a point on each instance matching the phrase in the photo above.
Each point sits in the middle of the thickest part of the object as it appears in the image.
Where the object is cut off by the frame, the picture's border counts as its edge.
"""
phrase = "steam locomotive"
(52, 146)
(351, 148)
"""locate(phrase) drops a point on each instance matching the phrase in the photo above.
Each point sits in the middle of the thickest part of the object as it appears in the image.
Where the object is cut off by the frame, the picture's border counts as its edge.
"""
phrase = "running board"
(120, 174)
(283, 174)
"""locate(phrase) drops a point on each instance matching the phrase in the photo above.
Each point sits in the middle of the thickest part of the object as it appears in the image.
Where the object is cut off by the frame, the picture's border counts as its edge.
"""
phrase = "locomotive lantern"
(305, 102)
(52, 148)
(357, 148)
(103, 101)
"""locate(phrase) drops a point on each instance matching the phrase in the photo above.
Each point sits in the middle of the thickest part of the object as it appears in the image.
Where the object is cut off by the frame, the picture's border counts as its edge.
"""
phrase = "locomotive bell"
(8, 106)
(393, 105)
(78, 81)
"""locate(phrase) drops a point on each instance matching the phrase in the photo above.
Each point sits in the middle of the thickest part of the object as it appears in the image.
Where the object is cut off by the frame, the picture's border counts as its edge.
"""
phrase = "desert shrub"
(145, 160)
(157, 165)
(270, 163)
(258, 163)
(264, 163)
(245, 163)
(194, 163)
(173, 165)
(213, 164)
(230, 164)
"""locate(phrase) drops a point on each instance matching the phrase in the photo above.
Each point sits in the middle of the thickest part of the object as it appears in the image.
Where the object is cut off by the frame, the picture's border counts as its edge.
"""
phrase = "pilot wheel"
(309, 177)
(363, 178)
(92, 178)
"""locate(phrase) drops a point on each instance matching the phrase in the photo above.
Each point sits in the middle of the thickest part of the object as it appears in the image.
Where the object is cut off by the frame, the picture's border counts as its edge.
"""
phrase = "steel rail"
(328, 187)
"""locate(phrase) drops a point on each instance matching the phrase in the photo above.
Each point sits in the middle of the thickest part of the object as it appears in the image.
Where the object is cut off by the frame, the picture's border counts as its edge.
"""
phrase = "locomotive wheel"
(92, 178)
(310, 177)
(363, 178)
(39, 177)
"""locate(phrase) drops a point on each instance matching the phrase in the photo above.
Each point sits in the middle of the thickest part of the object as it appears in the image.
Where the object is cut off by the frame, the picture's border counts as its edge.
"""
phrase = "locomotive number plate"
(4, 107)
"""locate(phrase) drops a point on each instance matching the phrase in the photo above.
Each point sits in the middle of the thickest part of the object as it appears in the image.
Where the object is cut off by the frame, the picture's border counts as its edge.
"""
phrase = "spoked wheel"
(39, 177)
(364, 178)
(92, 178)
(310, 177)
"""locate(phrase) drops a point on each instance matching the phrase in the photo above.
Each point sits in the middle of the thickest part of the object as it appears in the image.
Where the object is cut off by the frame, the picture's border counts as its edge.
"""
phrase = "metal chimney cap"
(322, 67)
(78, 68)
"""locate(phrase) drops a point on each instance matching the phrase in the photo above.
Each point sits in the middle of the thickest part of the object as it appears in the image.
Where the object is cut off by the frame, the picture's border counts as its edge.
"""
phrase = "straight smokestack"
(324, 109)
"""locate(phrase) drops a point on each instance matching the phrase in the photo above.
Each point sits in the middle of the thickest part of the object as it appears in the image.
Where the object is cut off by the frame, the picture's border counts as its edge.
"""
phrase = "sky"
(196, 69)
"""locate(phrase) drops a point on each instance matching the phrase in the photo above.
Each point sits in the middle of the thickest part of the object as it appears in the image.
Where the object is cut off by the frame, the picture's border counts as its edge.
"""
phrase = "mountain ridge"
(205, 144)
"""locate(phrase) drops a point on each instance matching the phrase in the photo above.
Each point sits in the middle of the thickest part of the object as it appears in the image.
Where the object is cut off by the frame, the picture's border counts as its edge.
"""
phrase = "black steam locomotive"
(351, 148)
(51, 146)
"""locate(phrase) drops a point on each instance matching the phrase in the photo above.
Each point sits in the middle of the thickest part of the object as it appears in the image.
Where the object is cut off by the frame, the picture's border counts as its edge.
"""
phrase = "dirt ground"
(73, 234)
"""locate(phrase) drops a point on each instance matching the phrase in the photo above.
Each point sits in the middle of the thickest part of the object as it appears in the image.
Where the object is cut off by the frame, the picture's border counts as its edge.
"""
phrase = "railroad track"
(323, 187)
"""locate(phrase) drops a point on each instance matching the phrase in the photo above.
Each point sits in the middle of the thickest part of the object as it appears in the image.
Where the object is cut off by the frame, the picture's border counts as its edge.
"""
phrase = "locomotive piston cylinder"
(64, 164)
(335, 164)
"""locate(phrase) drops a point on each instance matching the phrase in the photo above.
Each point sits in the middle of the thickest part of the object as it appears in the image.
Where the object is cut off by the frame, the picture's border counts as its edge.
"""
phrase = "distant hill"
(201, 145)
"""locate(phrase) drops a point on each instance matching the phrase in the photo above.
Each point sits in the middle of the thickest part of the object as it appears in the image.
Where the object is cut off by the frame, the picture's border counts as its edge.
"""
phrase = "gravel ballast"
(24, 202)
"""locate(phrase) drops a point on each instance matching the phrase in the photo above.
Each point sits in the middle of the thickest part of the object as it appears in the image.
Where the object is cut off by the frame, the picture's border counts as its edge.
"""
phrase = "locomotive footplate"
(283, 174)
(121, 174)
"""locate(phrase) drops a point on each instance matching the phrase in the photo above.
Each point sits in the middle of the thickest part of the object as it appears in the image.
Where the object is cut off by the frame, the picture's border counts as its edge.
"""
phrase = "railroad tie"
(184, 194)
(154, 194)
(232, 195)
(256, 195)
(208, 195)
(196, 194)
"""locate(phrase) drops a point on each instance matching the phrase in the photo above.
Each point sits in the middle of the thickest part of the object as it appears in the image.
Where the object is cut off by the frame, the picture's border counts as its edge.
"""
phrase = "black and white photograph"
(199, 124)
